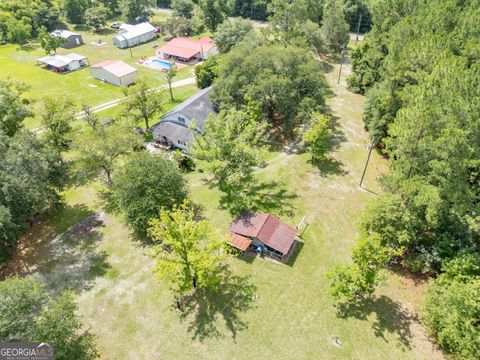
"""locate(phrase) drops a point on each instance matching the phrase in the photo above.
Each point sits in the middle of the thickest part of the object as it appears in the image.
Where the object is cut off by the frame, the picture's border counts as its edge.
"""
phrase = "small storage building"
(114, 72)
(263, 233)
(131, 35)
(71, 39)
(63, 63)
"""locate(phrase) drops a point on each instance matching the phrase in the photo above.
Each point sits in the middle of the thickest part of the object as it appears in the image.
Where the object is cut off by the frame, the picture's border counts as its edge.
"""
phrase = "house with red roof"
(114, 72)
(264, 233)
(188, 50)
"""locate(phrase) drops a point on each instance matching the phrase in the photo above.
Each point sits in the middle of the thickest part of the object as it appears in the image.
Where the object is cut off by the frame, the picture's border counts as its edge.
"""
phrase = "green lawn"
(20, 64)
(291, 316)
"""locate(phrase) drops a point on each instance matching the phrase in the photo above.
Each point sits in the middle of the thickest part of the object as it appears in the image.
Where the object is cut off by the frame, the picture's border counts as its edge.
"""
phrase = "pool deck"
(147, 63)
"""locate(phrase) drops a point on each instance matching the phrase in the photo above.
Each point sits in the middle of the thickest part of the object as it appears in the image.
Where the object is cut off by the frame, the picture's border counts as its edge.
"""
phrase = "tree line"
(419, 68)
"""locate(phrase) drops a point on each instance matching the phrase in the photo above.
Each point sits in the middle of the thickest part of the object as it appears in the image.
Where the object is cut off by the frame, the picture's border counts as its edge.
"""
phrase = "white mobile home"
(131, 35)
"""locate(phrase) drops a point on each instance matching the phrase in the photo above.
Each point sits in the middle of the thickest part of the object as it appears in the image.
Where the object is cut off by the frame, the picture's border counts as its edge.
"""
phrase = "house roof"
(197, 107)
(266, 228)
(132, 31)
(116, 67)
(64, 33)
(60, 60)
(186, 48)
(174, 131)
(240, 242)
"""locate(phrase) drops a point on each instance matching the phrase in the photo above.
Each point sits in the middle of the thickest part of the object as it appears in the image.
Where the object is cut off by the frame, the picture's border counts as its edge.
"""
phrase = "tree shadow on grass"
(329, 165)
(267, 196)
(62, 252)
(227, 301)
(390, 317)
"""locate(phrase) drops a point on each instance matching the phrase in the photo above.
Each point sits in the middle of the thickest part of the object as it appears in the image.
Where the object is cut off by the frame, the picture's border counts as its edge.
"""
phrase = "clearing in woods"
(269, 310)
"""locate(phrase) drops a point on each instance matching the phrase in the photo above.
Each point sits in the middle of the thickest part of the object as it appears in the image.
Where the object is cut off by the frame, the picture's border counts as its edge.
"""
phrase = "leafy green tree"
(57, 117)
(101, 147)
(231, 147)
(366, 62)
(207, 72)
(188, 255)
(142, 103)
(256, 9)
(178, 26)
(20, 301)
(31, 177)
(113, 6)
(59, 324)
(9, 232)
(144, 187)
(334, 26)
(183, 8)
(75, 10)
(31, 15)
(213, 12)
(18, 31)
(452, 306)
(134, 9)
(288, 89)
(351, 283)
(286, 16)
(231, 32)
(48, 42)
(317, 137)
(96, 16)
(310, 35)
(13, 106)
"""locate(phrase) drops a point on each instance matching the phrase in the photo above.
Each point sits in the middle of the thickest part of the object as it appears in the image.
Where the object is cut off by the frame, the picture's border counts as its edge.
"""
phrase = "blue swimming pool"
(160, 64)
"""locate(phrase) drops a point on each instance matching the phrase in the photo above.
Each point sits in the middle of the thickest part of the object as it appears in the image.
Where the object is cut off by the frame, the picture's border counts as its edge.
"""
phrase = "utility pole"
(341, 64)
(370, 147)
(358, 29)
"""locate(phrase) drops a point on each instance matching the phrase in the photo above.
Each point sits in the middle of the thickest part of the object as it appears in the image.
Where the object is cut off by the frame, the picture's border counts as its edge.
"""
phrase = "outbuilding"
(72, 39)
(131, 35)
(114, 72)
(63, 63)
(263, 233)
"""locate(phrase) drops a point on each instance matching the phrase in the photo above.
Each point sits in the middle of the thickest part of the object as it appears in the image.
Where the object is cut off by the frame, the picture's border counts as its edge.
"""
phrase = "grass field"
(20, 64)
(289, 316)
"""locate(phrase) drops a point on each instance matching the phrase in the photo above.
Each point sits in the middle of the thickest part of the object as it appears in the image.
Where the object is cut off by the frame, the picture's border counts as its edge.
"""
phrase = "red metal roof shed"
(266, 228)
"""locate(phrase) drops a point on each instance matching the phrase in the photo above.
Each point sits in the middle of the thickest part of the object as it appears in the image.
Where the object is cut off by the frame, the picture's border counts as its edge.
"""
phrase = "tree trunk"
(146, 123)
(109, 178)
(194, 280)
(171, 92)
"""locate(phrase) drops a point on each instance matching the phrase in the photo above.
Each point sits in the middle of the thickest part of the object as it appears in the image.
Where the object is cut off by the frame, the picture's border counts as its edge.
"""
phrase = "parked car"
(115, 25)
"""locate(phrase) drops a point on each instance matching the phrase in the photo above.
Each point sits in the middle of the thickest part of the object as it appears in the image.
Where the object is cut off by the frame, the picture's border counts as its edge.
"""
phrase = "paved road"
(115, 102)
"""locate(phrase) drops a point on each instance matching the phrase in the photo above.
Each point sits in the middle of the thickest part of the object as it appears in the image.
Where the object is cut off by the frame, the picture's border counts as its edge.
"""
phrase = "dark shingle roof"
(197, 107)
(174, 131)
